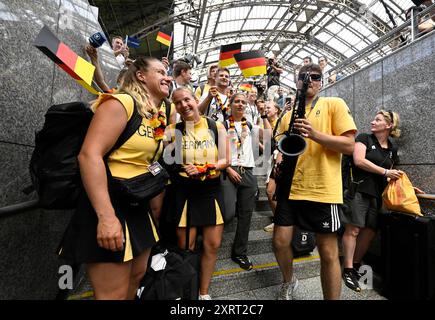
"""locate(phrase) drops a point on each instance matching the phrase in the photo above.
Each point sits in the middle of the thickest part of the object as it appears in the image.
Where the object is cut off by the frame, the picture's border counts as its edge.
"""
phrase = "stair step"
(229, 277)
(259, 242)
(308, 289)
(262, 189)
(258, 221)
(262, 204)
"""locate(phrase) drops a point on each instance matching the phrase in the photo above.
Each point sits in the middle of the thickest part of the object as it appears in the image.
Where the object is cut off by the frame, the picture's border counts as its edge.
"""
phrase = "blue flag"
(133, 42)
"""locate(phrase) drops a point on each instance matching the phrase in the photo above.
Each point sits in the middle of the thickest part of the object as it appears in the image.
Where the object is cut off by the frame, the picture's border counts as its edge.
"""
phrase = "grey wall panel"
(408, 88)
(29, 266)
(30, 82)
(368, 95)
(26, 78)
(14, 176)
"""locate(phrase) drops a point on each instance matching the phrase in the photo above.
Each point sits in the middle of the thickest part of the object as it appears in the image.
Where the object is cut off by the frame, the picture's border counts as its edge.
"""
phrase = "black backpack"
(54, 168)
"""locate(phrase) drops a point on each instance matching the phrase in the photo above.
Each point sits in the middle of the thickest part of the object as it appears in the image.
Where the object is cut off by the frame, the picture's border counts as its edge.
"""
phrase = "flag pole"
(169, 49)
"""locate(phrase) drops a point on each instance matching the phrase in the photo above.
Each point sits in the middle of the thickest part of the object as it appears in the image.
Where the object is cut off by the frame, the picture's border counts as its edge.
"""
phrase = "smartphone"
(288, 100)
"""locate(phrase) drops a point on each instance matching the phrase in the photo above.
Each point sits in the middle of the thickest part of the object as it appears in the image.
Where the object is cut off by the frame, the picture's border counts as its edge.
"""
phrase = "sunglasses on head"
(313, 77)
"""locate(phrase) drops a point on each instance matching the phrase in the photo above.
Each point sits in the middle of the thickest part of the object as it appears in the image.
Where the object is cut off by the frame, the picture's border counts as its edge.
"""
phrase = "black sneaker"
(357, 274)
(243, 262)
(350, 279)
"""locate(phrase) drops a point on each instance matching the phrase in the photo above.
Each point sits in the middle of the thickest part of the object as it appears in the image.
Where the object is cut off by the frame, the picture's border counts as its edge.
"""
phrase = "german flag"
(226, 57)
(165, 37)
(77, 67)
(245, 87)
(251, 63)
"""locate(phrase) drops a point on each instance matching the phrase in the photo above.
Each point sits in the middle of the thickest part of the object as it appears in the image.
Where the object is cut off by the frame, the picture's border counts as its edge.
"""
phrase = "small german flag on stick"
(252, 63)
(164, 36)
(77, 67)
(245, 87)
(226, 57)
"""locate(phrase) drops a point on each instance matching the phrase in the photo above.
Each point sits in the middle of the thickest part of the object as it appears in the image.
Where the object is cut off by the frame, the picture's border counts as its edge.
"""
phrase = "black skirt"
(79, 244)
(202, 200)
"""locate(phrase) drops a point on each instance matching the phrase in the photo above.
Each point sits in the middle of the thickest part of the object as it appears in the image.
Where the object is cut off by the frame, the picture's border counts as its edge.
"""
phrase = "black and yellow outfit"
(202, 199)
(130, 160)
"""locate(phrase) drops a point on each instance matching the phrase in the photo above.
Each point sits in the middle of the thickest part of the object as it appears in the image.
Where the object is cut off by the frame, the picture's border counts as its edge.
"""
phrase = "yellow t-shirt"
(199, 92)
(317, 175)
(198, 145)
(135, 155)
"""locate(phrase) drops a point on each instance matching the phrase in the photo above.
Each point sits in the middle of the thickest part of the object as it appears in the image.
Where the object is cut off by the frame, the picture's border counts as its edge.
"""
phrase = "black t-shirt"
(374, 184)
(273, 76)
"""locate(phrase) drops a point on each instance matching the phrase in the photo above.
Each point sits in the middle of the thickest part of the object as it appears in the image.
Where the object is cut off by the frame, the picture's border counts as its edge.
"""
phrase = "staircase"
(263, 282)
(230, 282)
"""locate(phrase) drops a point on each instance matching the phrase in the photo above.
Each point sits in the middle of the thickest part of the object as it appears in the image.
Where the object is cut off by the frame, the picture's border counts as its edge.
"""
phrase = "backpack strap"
(132, 125)
(213, 127)
(168, 107)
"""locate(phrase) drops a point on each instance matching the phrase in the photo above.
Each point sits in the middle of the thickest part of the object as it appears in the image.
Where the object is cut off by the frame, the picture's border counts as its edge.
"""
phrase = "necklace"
(221, 106)
(243, 135)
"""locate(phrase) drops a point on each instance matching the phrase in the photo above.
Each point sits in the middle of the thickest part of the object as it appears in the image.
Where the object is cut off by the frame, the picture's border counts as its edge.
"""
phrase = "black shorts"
(311, 216)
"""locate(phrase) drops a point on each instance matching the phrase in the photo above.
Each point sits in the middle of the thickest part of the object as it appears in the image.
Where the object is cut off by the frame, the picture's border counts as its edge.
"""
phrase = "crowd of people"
(215, 134)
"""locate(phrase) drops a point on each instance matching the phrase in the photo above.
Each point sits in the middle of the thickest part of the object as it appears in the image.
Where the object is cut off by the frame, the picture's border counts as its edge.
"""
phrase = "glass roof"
(291, 30)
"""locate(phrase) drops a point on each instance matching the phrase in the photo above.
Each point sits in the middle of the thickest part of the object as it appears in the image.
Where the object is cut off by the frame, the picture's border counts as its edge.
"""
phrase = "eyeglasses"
(313, 77)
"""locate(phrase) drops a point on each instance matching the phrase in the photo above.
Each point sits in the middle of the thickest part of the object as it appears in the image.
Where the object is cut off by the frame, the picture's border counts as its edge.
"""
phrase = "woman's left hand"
(418, 191)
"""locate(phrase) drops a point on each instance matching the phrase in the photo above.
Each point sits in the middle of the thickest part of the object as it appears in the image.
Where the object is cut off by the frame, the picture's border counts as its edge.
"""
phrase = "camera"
(97, 39)
(190, 59)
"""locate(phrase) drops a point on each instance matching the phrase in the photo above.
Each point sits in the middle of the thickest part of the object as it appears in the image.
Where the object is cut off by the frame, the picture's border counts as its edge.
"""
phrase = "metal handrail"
(381, 41)
(19, 208)
(426, 196)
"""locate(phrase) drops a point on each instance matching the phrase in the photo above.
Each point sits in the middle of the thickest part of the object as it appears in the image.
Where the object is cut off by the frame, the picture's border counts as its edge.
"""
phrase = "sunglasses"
(313, 77)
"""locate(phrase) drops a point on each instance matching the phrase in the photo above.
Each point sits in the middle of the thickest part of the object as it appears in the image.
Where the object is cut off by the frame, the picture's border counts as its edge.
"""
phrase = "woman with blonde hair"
(196, 199)
(373, 159)
(110, 235)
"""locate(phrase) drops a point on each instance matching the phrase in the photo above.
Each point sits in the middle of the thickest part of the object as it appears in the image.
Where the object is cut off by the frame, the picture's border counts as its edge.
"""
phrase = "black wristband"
(263, 116)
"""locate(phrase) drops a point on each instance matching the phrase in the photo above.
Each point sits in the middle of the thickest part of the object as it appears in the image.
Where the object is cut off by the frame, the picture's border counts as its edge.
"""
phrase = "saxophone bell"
(292, 145)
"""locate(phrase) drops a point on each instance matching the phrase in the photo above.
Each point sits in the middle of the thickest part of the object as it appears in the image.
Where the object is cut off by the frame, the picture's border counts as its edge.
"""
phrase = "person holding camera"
(274, 71)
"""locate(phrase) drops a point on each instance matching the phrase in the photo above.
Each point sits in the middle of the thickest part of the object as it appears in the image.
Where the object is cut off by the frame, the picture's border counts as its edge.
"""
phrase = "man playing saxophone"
(316, 185)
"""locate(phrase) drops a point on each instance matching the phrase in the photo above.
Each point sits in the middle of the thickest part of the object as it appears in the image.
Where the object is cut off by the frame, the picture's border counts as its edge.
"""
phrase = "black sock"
(347, 270)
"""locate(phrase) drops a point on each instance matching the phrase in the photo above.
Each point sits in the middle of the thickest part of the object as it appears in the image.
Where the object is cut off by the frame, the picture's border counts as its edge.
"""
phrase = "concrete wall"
(403, 82)
(29, 84)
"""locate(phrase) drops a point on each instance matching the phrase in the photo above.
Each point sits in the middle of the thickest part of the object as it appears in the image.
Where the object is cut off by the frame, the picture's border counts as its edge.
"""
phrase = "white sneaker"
(287, 289)
(269, 228)
(204, 297)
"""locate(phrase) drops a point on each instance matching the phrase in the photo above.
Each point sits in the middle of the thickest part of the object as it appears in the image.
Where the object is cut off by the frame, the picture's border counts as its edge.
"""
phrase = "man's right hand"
(165, 62)
(213, 91)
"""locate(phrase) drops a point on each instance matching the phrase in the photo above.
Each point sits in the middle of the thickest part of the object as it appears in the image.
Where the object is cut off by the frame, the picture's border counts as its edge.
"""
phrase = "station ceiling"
(290, 30)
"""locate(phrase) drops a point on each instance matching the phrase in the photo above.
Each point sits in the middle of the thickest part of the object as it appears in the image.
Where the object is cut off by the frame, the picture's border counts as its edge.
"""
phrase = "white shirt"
(211, 110)
(243, 156)
(121, 60)
(252, 114)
